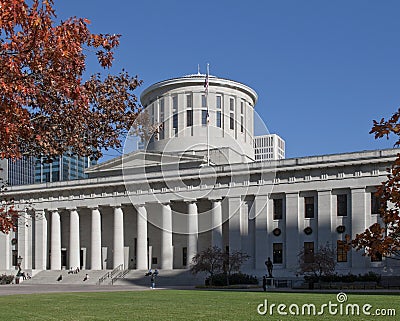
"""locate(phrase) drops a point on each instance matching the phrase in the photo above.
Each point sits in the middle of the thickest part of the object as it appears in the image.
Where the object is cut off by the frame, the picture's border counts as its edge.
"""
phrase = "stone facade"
(158, 208)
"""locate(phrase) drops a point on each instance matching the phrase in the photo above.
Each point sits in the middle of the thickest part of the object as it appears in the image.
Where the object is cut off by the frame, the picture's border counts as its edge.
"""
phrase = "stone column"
(166, 238)
(324, 219)
(216, 234)
(95, 241)
(193, 230)
(40, 240)
(23, 241)
(141, 250)
(292, 245)
(55, 260)
(359, 221)
(262, 247)
(74, 242)
(235, 236)
(118, 253)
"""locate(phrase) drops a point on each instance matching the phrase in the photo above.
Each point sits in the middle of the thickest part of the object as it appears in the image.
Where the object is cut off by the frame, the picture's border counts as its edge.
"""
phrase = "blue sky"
(323, 70)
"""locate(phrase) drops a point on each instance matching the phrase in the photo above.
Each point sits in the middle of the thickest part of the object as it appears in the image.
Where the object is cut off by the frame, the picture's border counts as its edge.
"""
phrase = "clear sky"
(323, 70)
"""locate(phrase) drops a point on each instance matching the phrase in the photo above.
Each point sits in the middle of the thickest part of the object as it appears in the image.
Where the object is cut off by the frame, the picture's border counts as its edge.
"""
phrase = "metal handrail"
(110, 274)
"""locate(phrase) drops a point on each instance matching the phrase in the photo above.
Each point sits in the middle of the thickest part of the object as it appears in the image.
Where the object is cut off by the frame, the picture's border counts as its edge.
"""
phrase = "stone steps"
(165, 278)
(50, 277)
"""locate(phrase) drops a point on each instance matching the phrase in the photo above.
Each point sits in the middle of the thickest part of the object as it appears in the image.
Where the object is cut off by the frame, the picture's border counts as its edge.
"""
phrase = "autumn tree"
(383, 238)
(209, 261)
(46, 106)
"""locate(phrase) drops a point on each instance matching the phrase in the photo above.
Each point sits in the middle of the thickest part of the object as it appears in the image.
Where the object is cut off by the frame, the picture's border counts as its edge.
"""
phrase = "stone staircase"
(51, 276)
(165, 278)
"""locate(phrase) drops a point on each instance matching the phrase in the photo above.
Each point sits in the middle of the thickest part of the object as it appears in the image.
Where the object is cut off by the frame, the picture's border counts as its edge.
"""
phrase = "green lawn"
(178, 305)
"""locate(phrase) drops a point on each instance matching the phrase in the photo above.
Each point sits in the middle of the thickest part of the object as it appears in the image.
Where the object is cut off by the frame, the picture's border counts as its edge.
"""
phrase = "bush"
(236, 278)
(347, 278)
(6, 279)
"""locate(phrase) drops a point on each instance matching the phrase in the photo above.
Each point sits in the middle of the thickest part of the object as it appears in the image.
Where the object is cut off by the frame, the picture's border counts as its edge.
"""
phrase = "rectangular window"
(175, 103)
(241, 124)
(278, 209)
(277, 253)
(341, 205)
(175, 114)
(189, 118)
(308, 252)
(341, 251)
(375, 204)
(309, 207)
(162, 107)
(232, 104)
(241, 107)
(175, 123)
(218, 102)
(219, 120)
(232, 122)
(184, 256)
(203, 101)
(204, 117)
(189, 101)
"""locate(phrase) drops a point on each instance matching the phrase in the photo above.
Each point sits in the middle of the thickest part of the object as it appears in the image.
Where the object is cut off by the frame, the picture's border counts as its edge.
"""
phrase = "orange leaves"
(46, 108)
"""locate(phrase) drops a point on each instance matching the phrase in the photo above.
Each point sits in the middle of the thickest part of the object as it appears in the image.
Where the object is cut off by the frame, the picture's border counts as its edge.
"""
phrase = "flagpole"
(208, 117)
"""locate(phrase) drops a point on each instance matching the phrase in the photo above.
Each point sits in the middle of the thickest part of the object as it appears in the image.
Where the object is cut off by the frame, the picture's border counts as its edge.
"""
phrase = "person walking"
(153, 281)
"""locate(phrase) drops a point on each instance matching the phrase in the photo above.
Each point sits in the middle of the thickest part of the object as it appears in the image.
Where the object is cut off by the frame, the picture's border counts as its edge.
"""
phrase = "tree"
(383, 239)
(46, 108)
(317, 264)
(233, 262)
(212, 261)
(209, 260)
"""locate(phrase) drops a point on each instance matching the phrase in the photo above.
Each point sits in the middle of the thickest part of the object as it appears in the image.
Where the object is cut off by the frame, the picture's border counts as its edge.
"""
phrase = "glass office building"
(64, 168)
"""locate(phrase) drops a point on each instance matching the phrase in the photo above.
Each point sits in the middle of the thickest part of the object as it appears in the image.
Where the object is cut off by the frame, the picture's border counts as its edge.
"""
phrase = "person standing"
(264, 283)
(153, 281)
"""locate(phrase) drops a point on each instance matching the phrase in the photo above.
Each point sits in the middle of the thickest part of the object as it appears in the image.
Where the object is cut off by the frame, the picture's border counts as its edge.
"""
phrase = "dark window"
(341, 251)
(278, 209)
(204, 117)
(175, 122)
(277, 253)
(308, 252)
(375, 204)
(14, 257)
(342, 205)
(241, 124)
(189, 101)
(189, 119)
(219, 120)
(377, 257)
(309, 207)
(153, 260)
(219, 102)
(184, 256)
(232, 122)
(232, 104)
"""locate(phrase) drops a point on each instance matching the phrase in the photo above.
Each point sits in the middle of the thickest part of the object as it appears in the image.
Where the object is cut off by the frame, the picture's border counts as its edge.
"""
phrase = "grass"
(177, 305)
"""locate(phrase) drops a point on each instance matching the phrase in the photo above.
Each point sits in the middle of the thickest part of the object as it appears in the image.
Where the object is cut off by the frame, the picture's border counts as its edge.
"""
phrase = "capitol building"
(202, 179)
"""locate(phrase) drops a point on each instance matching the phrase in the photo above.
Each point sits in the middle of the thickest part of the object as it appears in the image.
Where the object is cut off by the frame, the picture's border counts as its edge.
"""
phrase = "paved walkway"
(12, 289)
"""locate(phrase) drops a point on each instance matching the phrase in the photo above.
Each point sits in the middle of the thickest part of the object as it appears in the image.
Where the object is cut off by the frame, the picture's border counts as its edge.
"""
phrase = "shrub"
(347, 278)
(6, 279)
(236, 278)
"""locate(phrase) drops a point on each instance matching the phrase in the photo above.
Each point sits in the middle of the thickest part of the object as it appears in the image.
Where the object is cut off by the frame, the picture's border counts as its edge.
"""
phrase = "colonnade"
(118, 244)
